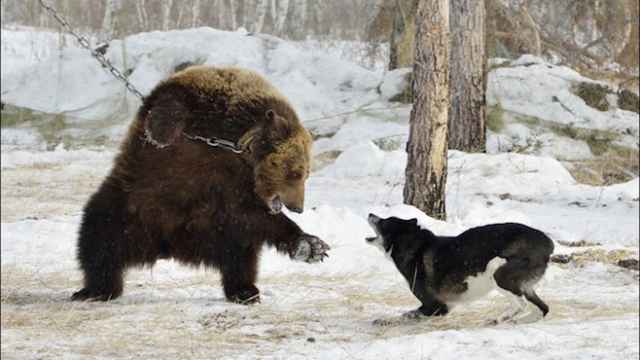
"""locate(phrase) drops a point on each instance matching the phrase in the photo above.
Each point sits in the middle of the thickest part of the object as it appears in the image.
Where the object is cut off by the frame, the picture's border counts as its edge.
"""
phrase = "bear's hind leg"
(100, 245)
(239, 269)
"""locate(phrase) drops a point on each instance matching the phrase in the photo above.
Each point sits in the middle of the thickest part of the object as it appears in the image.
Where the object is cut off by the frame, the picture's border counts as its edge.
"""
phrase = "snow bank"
(364, 160)
(624, 191)
(316, 83)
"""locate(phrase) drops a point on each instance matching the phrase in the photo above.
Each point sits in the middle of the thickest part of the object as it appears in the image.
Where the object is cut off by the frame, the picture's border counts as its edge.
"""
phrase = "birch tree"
(195, 13)
(261, 13)
(166, 14)
(297, 18)
(108, 20)
(141, 12)
(467, 76)
(279, 9)
(426, 172)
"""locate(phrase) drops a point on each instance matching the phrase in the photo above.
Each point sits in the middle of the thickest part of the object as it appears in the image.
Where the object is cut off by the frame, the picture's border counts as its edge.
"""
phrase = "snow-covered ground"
(322, 311)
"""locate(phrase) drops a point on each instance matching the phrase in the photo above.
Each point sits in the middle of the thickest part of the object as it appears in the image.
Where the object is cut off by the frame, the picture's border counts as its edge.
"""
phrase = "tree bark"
(426, 172)
(402, 40)
(467, 76)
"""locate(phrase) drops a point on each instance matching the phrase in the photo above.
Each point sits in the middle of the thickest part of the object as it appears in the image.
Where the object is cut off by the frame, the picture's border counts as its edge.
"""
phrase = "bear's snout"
(295, 209)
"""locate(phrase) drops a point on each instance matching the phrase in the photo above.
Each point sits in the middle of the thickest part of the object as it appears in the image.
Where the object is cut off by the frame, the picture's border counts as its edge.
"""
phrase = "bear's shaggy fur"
(170, 195)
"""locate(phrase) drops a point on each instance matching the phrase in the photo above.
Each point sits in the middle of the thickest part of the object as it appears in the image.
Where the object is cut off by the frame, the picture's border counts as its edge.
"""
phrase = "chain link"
(216, 142)
(87, 45)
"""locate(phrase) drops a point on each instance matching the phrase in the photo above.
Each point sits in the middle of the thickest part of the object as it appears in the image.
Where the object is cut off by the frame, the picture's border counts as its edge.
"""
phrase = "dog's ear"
(414, 222)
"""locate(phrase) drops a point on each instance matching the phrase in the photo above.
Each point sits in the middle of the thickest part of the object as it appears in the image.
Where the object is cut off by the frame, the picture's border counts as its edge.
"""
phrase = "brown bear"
(172, 193)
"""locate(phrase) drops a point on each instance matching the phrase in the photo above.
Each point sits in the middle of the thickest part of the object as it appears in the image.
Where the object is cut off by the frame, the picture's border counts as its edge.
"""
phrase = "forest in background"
(597, 37)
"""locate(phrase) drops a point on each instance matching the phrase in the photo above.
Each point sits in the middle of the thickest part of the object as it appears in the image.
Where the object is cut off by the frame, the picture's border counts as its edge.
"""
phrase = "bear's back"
(242, 89)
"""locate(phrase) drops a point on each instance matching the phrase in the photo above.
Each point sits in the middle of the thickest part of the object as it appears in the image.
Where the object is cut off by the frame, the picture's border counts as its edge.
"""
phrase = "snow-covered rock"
(531, 90)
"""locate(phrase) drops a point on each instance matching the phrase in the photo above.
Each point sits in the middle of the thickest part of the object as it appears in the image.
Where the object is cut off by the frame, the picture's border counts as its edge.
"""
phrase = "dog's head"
(392, 232)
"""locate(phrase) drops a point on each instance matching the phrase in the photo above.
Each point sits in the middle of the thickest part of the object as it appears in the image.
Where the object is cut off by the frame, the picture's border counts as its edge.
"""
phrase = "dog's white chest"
(481, 284)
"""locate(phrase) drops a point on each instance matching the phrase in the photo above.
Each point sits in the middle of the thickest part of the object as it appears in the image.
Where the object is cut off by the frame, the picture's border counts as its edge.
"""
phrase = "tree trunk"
(232, 15)
(195, 13)
(107, 20)
(402, 40)
(426, 172)
(166, 14)
(141, 11)
(297, 16)
(261, 13)
(467, 68)
(280, 11)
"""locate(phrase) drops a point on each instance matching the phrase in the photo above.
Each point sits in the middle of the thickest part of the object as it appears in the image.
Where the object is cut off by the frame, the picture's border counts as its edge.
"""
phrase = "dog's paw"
(310, 249)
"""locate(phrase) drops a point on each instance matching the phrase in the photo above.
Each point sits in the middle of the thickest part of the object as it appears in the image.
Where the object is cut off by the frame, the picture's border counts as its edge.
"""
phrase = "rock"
(631, 264)
(594, 95)
(628, 100)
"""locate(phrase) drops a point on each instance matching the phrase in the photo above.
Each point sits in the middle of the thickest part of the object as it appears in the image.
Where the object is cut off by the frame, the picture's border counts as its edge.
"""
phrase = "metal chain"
(212, 141)
(98, 56)
(216, 142)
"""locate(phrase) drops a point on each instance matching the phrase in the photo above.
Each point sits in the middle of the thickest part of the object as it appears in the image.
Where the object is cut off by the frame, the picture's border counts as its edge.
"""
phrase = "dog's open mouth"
(371, 238)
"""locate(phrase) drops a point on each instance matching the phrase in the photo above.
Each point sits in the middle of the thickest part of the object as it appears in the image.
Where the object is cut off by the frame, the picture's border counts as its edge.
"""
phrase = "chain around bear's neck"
(217, 142)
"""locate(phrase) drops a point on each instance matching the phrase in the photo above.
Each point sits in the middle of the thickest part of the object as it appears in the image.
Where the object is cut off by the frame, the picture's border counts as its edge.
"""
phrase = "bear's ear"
(164, 121)
(276, 124)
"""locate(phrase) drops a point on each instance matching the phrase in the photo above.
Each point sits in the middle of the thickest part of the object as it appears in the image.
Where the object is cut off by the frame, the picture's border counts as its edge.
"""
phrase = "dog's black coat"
(437, 267)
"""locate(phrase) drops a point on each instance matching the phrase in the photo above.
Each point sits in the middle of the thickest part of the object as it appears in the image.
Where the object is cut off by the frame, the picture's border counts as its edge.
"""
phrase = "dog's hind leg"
(518, 276)
(531, 295)
(511, 275)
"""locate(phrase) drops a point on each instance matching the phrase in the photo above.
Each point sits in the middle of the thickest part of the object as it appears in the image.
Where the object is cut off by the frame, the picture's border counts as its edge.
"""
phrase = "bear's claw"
(87, 295)
(311, 249)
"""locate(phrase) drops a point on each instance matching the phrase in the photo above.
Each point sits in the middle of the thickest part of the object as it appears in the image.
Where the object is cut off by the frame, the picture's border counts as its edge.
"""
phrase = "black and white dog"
(445, 271)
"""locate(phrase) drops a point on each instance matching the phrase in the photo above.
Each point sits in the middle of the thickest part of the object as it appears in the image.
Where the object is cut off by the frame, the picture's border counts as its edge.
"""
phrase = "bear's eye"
(295, 175)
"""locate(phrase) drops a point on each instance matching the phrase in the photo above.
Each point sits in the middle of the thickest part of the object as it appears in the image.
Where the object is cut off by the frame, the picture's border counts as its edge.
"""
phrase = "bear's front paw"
(310, 249)
(88, 295)
(413, 314)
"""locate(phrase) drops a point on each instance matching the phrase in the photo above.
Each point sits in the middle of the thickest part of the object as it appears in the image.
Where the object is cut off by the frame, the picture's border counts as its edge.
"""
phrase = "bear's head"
(277, 147)
(280, 150)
